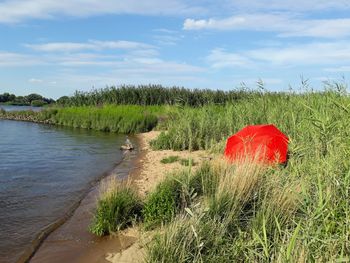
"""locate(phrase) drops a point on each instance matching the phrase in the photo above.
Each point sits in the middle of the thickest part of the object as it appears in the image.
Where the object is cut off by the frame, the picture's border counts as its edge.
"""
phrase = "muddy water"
(44, 173)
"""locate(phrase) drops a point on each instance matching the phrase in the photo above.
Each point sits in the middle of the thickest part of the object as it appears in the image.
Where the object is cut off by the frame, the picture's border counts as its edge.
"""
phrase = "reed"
(152, 95)
(118, 206)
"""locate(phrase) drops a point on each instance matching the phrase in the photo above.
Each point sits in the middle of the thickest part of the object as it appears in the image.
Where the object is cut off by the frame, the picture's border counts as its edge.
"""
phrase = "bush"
(161, 205)
(116, 209)
(38, 103)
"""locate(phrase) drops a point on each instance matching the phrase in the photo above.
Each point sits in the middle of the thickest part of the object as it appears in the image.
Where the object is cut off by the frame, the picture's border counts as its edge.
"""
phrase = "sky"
(55, 47)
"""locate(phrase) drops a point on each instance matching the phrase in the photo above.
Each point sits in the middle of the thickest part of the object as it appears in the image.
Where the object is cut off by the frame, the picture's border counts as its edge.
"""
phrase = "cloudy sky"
(56, 47)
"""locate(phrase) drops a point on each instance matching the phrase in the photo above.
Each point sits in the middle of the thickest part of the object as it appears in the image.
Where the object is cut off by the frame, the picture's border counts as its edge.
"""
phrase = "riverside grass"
(152, 95)
(111, 118)
(298, 213)
(118, 207)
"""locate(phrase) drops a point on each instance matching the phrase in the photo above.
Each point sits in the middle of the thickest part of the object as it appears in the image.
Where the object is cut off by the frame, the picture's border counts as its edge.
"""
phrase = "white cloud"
(10, 59)
(338, 69)
(304, 54)
(90, 45)
(288, 5)
(12, 11)
(219, 58)
(34, 80)
(320, 54)
(286, 25)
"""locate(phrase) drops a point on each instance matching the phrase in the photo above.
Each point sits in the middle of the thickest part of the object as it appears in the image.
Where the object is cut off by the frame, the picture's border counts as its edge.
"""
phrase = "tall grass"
(122, 119)
(242, 219)
(112, 118)
(118, 206)
(297, 213)
(152, 95)
(310, 117)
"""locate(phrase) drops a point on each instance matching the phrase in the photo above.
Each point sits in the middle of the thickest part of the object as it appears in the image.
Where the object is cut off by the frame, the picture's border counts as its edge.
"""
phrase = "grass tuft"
(117, 208)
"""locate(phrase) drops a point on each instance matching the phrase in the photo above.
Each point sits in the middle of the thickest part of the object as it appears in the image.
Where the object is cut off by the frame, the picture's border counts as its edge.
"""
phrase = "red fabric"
(263, 143)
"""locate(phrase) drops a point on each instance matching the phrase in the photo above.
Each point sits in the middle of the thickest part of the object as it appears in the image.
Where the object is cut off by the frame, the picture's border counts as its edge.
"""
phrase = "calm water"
(45, 170)
(19, 108)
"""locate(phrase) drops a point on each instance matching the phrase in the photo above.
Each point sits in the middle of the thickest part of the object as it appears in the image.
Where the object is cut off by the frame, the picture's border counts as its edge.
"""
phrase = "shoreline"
(120, 170)
(144, 173)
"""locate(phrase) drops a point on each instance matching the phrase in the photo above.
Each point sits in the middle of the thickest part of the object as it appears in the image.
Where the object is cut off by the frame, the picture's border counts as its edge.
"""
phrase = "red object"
(263, 143)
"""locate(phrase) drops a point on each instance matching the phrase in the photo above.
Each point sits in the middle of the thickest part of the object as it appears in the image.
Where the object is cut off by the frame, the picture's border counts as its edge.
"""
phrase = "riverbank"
(151, 171)
(72, 242)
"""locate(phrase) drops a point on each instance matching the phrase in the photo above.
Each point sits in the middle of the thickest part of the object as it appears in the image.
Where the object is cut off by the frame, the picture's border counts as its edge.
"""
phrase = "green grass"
(117, 208)
(121, 119)
(187, 162)
(170, 159)
(296, 213)
(152, 95)
(110, 118)
(161, 205)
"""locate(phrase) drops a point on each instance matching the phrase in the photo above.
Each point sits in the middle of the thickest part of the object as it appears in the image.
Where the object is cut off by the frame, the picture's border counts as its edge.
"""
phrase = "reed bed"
(152, 95)
(110, 118)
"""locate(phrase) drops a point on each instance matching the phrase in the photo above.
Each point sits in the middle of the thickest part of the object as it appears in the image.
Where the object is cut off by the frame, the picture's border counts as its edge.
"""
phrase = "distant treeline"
(151, 95)
(29, 100)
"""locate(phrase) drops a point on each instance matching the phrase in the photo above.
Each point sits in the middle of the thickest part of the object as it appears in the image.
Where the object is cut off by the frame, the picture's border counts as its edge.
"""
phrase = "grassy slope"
(295, 214)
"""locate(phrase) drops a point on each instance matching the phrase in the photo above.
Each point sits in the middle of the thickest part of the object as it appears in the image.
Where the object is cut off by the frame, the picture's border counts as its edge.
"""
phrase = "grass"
(152, 95)
(162, 205)
(170, 159)
(187, 162)
(110, 118)
(117, 208)
(247, 213)
(121, 119)
(234, 215)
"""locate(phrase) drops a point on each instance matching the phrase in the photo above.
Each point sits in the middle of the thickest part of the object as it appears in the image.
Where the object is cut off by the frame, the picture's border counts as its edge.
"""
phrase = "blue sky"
(56, 47)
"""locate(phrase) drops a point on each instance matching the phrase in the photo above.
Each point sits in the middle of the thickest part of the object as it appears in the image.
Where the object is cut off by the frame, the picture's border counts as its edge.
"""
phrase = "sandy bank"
(151, 171)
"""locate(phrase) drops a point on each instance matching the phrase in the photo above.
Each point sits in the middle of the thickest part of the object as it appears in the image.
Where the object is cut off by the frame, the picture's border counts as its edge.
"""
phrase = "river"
(44, 172)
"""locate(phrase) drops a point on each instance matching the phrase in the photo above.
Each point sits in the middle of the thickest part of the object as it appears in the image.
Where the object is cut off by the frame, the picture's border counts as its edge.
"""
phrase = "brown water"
(44, 172)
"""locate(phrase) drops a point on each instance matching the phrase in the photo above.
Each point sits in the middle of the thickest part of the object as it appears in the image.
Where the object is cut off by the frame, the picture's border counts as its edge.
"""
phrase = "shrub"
(162, 204)
(116, 209)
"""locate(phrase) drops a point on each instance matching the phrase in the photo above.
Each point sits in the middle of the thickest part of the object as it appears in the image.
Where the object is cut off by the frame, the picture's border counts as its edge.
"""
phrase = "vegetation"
(151, 95)
(247, 213)
(170, 159)
(121, 119)
(161, 205)
(310, 117)
(114, 118)
(228, 213)
(117, 207)
(187, 162)
(30, 100)
(251, 213)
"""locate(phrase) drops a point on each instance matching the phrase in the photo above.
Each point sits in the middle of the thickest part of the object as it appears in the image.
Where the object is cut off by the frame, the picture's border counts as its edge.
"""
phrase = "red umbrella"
(264, 143)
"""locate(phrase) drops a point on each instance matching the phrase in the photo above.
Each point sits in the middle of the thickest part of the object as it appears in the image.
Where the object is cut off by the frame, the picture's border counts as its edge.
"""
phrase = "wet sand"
(72, 242)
